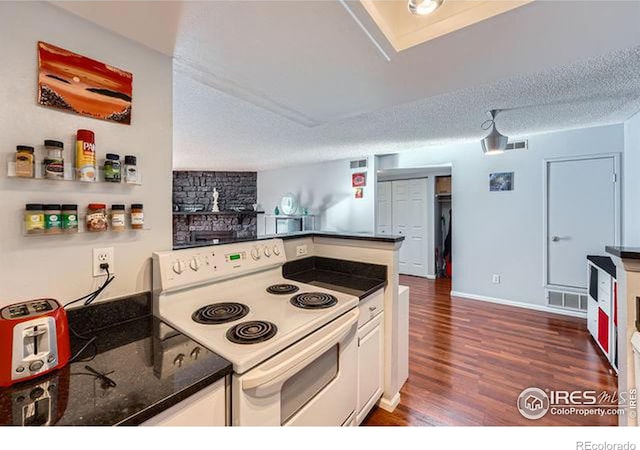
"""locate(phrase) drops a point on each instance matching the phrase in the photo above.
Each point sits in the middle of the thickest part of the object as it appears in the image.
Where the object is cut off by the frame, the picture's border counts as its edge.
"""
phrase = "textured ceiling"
(267, 84)
(215, 130)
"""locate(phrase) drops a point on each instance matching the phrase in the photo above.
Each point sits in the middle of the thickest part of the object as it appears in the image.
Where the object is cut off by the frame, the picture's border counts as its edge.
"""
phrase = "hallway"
(469, 360)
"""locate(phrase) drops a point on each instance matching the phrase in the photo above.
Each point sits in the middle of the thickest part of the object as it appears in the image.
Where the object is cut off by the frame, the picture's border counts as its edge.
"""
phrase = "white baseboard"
(431, 276)
(502, 301)
(389, 405)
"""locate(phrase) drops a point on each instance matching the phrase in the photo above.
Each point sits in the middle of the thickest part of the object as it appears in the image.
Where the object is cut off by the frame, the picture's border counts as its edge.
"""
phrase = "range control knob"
(255, 253)
(178, 267)
(276, 250)
(267, 252)
(195, 263)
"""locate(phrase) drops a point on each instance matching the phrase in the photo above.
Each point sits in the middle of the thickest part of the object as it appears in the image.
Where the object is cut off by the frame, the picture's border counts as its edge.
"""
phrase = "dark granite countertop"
(126, 378)
(349, 277)
(603, 262)
(329, 234)
(624, 252)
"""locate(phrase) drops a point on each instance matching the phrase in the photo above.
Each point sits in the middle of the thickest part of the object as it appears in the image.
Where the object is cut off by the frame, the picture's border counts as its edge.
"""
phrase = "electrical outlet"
(496, 279)
(301, 250)
(100, 256)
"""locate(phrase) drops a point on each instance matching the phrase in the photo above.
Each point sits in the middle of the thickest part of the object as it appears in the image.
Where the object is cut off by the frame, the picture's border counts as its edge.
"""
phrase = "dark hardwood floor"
(469, 361)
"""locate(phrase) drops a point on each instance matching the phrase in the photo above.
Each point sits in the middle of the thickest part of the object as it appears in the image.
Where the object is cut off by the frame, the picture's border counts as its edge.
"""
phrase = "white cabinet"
(370, 354)
(602, 303)
(207, 408)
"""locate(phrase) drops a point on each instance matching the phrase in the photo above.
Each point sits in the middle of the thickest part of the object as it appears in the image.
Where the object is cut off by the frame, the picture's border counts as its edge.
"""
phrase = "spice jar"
(137, 216)
(69, 218)
(118, 222)
(53, 164)
(24, 161)
(52, 219)
(130, 169)
(112, 168)
(97, 217)
(34, 218)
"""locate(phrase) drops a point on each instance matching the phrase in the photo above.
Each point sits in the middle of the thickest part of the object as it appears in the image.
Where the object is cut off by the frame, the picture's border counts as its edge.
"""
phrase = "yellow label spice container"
(34, 218)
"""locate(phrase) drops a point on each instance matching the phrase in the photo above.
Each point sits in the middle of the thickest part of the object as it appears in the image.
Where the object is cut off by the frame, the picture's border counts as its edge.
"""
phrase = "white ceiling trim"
(200, 74)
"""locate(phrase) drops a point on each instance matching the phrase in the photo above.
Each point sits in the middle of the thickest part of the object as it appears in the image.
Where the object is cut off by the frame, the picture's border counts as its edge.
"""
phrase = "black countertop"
(624, 252)
(297, 235)
(603, 262)
(140, 380)
(348, 277)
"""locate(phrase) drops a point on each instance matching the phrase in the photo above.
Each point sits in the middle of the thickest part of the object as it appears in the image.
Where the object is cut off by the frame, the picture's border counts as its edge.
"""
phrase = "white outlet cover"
(301, 250)
(103, 255)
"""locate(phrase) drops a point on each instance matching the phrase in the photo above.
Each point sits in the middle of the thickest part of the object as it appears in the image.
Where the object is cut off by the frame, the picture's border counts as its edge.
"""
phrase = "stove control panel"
(205, 264)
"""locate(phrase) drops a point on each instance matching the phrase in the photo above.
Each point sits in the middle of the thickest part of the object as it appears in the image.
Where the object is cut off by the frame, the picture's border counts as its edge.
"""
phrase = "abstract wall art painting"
(84, 86)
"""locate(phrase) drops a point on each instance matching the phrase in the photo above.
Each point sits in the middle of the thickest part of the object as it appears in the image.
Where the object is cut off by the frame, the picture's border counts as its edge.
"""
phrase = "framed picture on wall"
(359, 192)
(81, 85)
(359, 179)
(501, 181)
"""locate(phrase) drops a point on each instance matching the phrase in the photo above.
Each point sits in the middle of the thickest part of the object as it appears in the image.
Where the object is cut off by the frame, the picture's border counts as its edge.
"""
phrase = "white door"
(384, 224)
(400, 195)
(410, 220)
(418, 226)
(370, 366)
(581, 216)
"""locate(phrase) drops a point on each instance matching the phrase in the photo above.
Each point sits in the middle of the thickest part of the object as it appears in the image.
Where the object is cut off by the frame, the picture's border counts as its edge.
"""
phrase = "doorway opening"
(417, 203)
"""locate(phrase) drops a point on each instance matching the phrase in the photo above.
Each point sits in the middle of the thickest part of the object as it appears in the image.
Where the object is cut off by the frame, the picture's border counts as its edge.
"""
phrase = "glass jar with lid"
(112, 168)
(69, 218)
(118, 218)
(96, 217)
(25, 161)
(34, 218)
(53, 164)
(52, 219)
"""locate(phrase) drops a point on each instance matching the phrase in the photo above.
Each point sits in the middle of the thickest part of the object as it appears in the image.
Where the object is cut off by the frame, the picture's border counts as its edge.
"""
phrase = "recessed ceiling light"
(424, 7)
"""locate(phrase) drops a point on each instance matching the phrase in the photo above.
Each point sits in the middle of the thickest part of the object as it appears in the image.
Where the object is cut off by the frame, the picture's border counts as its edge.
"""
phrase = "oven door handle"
(267, 379)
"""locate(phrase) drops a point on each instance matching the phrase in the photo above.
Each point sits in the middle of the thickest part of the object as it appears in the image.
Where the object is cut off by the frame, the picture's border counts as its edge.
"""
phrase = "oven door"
(313, 382)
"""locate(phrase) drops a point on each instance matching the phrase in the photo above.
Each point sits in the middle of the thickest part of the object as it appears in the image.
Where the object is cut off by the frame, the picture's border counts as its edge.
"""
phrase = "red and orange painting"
(82, 85)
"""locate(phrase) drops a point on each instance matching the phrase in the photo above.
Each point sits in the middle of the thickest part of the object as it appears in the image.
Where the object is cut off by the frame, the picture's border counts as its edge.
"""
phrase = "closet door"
(417, 231)
(384, 222)
(400, 195)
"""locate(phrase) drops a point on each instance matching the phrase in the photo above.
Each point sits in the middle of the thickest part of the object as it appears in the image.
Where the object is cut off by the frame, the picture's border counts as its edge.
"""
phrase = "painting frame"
(70, 82)
(501, 181)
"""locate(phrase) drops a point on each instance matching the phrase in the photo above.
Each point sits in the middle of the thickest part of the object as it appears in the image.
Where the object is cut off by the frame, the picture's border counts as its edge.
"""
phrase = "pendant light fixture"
(423, 7)
(495, 142)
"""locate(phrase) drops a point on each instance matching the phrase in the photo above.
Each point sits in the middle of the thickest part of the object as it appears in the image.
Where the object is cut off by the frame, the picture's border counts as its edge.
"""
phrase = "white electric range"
(292, 345)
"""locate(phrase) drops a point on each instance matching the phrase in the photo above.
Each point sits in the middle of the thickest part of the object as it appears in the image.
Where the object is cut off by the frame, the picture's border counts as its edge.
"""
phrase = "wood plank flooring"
(469, 361)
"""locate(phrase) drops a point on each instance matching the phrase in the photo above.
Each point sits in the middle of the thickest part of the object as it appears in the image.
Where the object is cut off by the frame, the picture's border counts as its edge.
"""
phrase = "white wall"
(60, 266)
(631, 179)
(325, 189)
(501, 232)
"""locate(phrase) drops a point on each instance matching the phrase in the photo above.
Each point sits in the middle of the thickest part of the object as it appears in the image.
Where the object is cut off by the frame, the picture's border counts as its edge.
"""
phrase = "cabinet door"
(206, 408)
(370, 366)
(603, 330)
(592, 317)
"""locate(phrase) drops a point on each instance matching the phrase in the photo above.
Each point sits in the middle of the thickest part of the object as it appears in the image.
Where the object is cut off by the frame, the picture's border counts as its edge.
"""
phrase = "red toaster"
(34, 340)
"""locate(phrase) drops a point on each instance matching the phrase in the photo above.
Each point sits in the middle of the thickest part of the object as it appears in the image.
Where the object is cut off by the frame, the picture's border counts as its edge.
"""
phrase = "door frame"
(617, 206)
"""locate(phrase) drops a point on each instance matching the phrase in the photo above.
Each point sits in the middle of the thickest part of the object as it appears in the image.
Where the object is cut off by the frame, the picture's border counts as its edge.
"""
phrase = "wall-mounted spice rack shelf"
(11, 173)
(82, 229)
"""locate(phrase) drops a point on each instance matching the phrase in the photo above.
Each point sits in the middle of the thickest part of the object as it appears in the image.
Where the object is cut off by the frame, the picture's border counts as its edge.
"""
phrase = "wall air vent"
(359, 164)
(574, 301)
(518, 145)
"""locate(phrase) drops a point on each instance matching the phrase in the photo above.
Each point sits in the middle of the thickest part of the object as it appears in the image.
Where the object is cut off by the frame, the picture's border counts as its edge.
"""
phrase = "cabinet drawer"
(604, 281)
(370, 307)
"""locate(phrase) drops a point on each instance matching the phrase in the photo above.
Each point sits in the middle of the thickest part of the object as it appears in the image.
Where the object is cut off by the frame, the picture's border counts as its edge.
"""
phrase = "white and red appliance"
(292, 345)
(34, 336)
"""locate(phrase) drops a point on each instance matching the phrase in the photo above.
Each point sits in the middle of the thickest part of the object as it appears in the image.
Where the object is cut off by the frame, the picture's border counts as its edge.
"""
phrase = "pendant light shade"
(495, 142)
